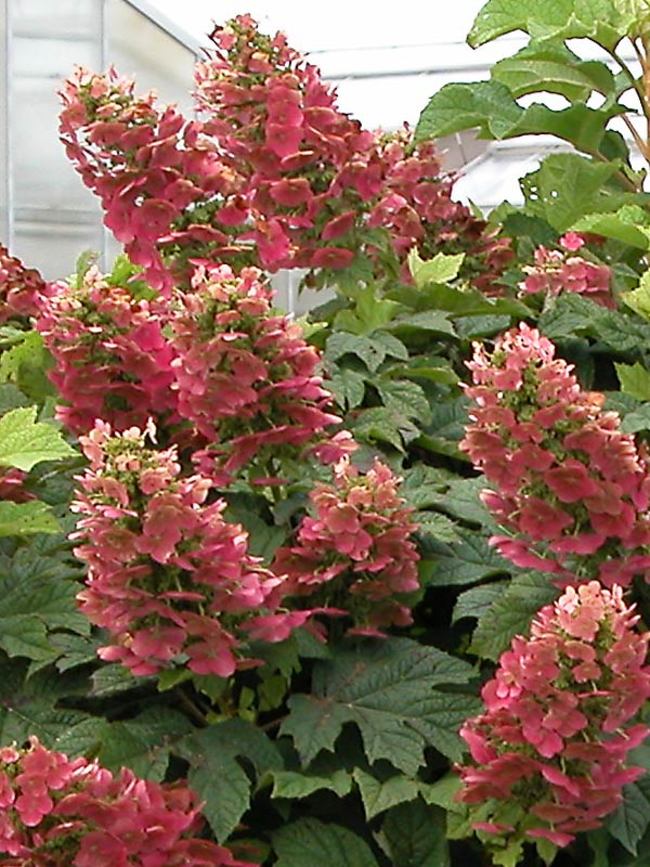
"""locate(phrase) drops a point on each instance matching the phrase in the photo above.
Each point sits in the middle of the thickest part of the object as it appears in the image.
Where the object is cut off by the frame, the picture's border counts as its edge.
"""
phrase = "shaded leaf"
(380, 796)
(466, 561)
(292, 784)
(416, 836)
(308, 842)
(389, 690)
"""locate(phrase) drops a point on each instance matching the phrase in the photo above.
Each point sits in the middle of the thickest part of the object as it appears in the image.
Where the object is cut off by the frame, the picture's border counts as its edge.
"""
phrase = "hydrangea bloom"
(274, 162)
(152, 169)
(112, 360)
(357, 552)
(571, 488)
(167, 576)
(245, 376)
(549, 751)
(58, 812)
(557, 271)
(19, 287)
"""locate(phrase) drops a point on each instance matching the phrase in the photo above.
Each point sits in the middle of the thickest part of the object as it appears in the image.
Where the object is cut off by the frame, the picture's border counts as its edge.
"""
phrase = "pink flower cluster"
(19, 287)
(555, 733)
(357, 553)
(168, 577)
(112, 360)
(58, 812)
(570, 486)
(557, 271)
(274, 162)
(150, 167)
(245, 377)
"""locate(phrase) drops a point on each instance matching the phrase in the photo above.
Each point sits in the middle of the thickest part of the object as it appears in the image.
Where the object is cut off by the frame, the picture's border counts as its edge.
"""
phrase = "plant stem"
(192, 708)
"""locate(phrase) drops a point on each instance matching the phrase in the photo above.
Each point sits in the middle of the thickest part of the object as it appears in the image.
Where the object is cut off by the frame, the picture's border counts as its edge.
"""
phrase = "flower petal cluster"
(152, 169)
(549, 751)
(61, 812)
(112, 359)
(19, 287)
(571, 488)
(245, 376)
(274, 174)
(560, 270)
(357, 552)
(168, 577)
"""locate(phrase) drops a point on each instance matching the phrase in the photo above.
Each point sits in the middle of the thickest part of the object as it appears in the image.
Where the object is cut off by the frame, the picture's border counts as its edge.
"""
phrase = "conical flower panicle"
(357, 553)
(112, 360)
(569, 486)
(61, 812)
(168, 577)
(549, 751)
(153, 170)
(245, 376)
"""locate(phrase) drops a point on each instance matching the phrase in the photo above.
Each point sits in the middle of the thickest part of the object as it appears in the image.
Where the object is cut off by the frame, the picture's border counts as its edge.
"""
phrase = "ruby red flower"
(63, 812)
(112, 360)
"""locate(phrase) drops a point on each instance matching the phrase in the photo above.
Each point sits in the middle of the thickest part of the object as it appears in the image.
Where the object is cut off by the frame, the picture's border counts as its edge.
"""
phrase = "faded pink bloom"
(569, 486)
(558, 720)
(167, 575)
(357, 552)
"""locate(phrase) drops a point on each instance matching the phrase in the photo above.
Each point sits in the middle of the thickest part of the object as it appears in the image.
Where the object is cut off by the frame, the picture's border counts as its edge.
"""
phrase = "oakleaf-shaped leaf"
(390, 691)
(604, 21)
(511, 613)
(308, 842)
(217, 776)
(24, 442)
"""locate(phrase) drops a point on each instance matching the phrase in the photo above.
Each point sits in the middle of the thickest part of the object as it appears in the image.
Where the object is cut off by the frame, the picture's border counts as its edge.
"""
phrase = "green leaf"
(627, 225)
(511, 613)
(441, 269)
(567, 186)
(599, 20)
(308, 842)
(30, 707)
(370, 312)
(446, 427)
(380, 796)
(630, 821)
(634, 379)
(572, 316)
(25, 364)
(143, 743)
(348, 387)
(416, 836)
(371, 352)
(639, 299)
(486, 105)
(24, 442)
(294, 785)
(25, 519)
(490, 107)
(384, 424)
(404, 397)
(217, 776)
(552, 67)
(464, 562)
(433, 321)
(439, 526)
(461, 500)
(389, 690)
(476, 601)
